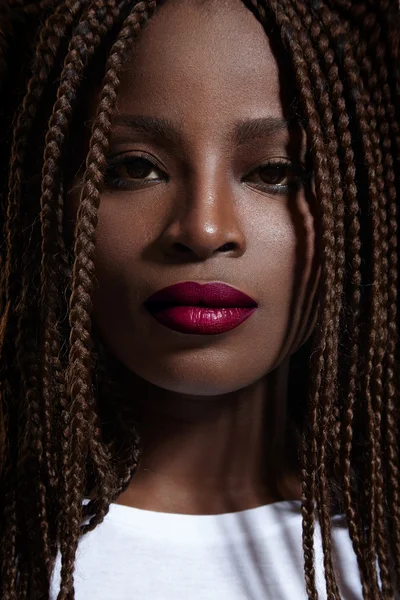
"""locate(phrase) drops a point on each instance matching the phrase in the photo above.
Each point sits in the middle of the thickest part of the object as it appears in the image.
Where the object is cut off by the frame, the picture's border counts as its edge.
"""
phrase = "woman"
(199, 332)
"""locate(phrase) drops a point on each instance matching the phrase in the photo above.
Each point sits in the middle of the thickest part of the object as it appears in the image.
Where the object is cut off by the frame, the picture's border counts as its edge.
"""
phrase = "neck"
(204, 455)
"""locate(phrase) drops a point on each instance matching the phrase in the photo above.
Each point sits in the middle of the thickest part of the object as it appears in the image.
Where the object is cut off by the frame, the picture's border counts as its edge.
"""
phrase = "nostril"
(227, 247)
(181, 247)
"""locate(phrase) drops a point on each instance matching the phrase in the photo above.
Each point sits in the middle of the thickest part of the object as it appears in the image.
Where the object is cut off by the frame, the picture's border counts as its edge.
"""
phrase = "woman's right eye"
(130, 172)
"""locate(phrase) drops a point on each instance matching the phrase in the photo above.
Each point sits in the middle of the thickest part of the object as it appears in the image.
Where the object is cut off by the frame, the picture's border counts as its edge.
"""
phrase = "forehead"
(194, 57)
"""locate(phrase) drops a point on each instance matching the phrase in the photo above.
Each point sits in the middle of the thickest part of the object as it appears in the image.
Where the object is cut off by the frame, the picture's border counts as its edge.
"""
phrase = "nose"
(205, 220)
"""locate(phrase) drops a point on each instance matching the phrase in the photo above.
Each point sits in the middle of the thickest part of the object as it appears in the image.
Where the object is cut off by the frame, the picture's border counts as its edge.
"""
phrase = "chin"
(205, 377)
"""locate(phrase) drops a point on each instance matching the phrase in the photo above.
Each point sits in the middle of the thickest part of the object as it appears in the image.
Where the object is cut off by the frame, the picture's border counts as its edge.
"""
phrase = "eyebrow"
(155, 126)
(244, 131)
(250, 129)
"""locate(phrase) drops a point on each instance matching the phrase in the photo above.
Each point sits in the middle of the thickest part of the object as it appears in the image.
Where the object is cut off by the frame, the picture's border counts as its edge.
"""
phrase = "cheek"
(276, 269)
(288, 271)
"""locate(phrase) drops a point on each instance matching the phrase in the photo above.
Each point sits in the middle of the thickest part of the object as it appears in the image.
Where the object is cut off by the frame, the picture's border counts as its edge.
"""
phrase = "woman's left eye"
(275, 176)
(132, 171)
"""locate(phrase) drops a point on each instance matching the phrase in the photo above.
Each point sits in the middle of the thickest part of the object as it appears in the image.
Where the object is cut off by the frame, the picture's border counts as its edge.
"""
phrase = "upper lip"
(191, 293)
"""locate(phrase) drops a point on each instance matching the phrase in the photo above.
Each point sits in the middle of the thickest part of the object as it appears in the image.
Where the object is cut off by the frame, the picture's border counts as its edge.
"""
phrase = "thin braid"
(325, 54)
(354, 247)
(110, 391)
(28, 364)
(54, 30)
(53, 251)
(364, 127)
(331, 348)
(370, 138)
(382, 536)
(9, 542)
(381, 272)
(376, 346)
(81, 49)
(323, 193)
(392, 444)
(378, 81)
(370, 489)
(44, 61)
(131, 29)
(51, 36)
(79, 375)
(383, 269)
(30, 376)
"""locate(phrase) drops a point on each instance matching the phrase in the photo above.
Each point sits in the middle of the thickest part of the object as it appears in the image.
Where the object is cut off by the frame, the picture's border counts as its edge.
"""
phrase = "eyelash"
(296, 172)
(120, 183)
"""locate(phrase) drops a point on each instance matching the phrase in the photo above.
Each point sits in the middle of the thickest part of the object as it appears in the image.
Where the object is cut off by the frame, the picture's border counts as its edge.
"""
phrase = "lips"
(207, 309)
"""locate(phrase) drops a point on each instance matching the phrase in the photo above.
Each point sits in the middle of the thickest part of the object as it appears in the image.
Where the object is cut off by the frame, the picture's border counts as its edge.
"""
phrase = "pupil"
(138, 169)
(273, 174)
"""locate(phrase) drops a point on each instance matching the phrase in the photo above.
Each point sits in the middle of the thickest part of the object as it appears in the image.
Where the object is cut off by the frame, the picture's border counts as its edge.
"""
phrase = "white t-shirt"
(254, 554)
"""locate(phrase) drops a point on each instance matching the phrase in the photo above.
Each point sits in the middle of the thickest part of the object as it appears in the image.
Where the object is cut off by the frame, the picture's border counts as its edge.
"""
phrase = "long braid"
(32, 444)
(377, 78)
(52, 35)
(81, 49)
(327, 56)
(382, 548)
(391, 99)
(95, 167)
(10, 521)
(79, 374)
(355, 278)
(124, 439)
(8, 553)
(31, 392)
(380, 272)
(381, 534)
(354, 247)
(370, 144)
(332, 357)
(84, 42)
(323, 191)
(87, 36)
(329, 350)
(112, 12)
(375, 316)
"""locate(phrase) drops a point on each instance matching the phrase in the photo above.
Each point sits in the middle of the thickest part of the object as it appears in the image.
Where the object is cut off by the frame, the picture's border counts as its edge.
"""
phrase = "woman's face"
(204, 186)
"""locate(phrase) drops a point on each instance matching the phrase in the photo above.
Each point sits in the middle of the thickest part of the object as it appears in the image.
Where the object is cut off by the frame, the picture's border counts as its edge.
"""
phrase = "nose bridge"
(208, 218)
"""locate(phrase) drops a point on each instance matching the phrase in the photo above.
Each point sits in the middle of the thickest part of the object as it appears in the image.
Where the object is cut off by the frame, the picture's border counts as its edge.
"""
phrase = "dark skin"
(212, 408)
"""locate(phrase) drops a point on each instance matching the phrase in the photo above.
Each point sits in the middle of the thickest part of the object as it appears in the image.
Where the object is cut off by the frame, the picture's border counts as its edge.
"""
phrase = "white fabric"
(250, 555)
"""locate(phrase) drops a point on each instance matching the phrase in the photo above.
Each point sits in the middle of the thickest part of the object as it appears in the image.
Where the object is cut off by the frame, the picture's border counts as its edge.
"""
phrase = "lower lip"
(200, 319)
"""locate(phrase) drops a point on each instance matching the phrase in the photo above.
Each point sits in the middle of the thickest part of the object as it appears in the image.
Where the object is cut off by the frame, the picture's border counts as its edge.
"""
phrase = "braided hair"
(62, 432)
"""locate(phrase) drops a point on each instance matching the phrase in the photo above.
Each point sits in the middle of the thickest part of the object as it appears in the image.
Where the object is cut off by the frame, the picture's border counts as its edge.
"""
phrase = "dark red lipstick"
(207, 309)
